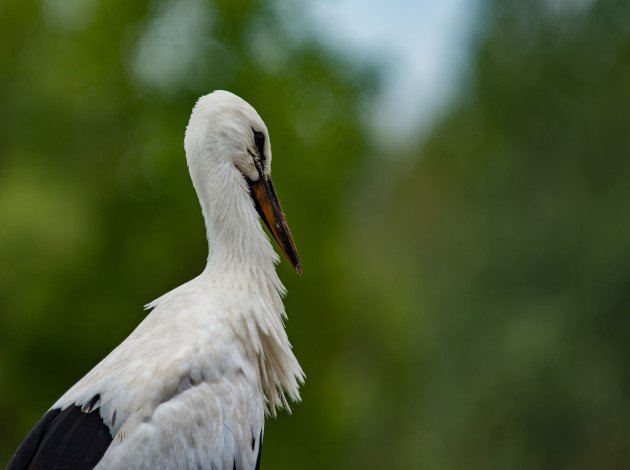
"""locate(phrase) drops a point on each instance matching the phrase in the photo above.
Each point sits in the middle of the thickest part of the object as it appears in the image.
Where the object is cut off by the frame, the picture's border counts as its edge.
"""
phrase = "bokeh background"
(456, 175)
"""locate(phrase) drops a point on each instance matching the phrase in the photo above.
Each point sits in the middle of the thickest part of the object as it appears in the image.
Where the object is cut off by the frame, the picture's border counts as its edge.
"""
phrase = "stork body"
(189, 388)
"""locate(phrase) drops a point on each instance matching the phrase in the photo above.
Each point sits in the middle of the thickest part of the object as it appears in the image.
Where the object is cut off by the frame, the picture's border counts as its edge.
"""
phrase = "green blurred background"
(464, 302)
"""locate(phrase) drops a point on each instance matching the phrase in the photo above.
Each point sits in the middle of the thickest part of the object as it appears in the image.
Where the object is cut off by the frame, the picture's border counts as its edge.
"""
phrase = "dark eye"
(259, 140)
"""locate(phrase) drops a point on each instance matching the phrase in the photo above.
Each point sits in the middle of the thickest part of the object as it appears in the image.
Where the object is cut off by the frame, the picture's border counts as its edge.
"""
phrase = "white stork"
(190, 387)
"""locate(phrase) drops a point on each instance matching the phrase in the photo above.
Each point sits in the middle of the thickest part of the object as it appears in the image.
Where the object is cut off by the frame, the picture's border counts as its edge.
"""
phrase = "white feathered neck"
(241, 260)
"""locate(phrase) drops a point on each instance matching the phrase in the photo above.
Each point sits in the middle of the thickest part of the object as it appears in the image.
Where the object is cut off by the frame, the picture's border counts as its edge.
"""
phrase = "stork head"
(227, 141)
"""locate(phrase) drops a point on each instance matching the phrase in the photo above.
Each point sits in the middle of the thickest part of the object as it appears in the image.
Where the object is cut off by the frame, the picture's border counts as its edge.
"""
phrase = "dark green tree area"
(463, 306)
(496, 265)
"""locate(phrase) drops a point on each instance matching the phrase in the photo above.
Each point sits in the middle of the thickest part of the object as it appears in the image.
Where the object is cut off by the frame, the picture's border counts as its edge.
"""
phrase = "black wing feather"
(69, 439)
(259, 451)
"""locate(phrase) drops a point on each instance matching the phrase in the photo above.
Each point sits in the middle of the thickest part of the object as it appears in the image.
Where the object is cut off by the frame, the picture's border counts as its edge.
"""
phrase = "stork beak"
(269, 209)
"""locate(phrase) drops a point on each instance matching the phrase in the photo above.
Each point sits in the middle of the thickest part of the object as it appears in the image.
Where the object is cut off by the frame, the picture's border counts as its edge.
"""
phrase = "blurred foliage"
(502, 257)
(461, 307)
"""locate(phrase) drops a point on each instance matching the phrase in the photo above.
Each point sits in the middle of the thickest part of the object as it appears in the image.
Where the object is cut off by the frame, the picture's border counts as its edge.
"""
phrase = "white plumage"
(189, 388)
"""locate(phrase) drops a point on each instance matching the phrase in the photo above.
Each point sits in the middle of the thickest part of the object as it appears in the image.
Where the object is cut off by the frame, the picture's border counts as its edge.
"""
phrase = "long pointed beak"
(269, 209)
